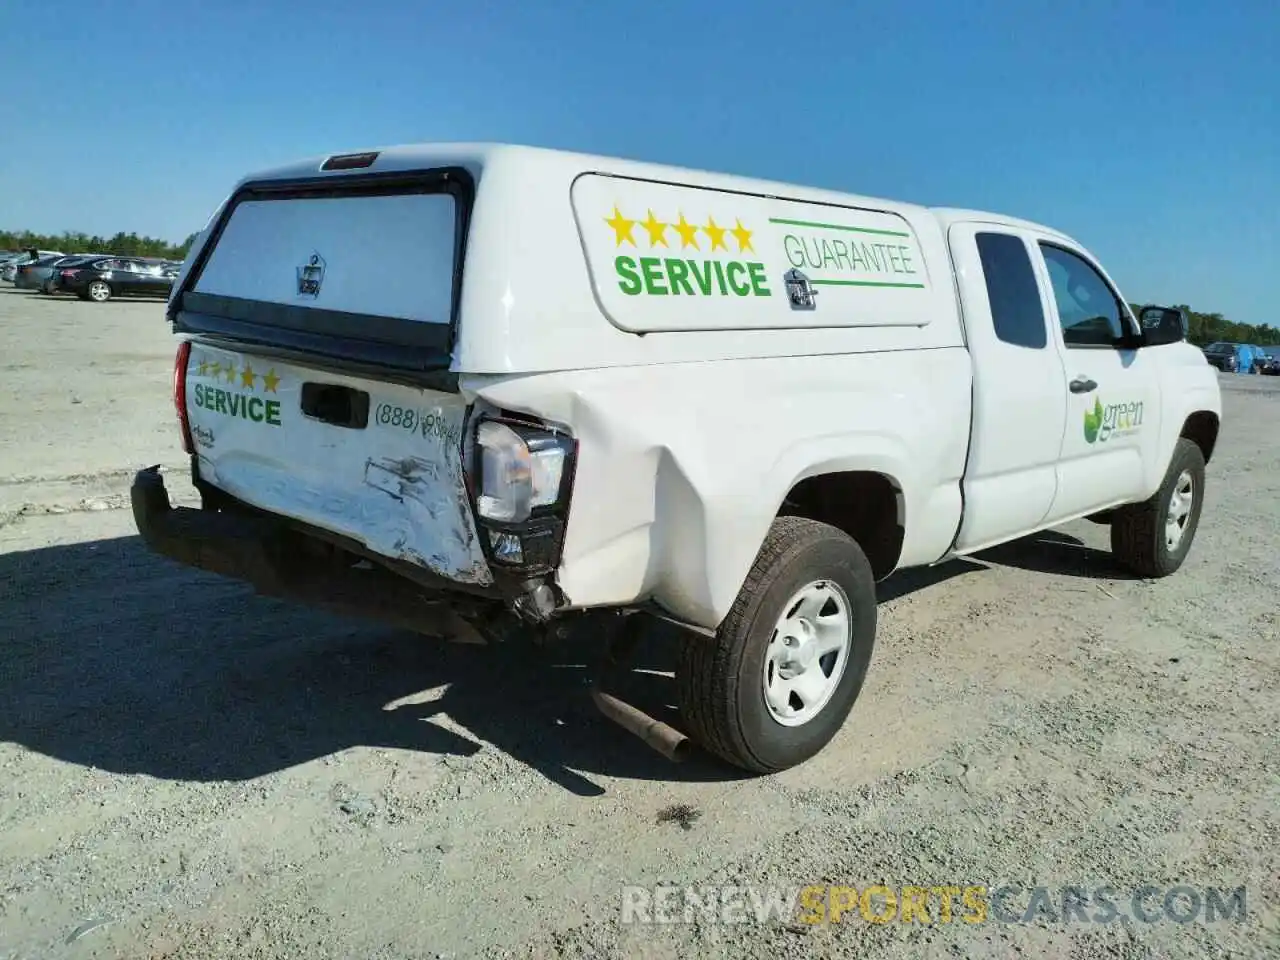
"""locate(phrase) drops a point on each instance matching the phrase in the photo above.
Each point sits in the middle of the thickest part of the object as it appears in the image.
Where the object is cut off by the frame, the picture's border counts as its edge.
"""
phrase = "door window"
(1016, 310)
(1088, 310)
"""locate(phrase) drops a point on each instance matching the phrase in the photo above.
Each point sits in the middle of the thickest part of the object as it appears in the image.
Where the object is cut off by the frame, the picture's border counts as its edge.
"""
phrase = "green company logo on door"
(1102, 423)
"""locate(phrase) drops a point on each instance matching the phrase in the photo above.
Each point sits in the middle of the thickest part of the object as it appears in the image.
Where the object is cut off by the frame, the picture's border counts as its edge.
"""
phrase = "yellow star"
(744, 237)
(270, 380)
(248, 376)
(231, 372)
(216, 370)
(688, 233)
(716, 234)
(621, 227)
(204, 367)
(657, 230)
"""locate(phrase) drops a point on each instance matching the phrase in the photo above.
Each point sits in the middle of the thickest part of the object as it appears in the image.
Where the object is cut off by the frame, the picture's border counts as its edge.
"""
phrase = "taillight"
(69, 273)
(180, 394)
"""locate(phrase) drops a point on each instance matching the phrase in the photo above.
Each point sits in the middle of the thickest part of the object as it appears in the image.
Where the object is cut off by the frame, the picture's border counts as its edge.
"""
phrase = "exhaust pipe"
(667, 740)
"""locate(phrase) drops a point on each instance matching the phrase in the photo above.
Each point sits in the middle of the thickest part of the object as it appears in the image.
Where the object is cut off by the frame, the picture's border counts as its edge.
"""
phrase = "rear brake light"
(69, 273)
(350, 161)
(180, 394)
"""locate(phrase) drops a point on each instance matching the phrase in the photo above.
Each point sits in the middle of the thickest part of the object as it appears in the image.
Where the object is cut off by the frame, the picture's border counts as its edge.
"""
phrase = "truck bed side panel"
(683, 467)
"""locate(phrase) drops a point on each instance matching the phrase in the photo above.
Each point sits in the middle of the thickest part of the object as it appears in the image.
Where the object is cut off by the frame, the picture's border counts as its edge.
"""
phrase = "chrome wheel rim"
(1179, 515)
(99, 291)
(807, 653)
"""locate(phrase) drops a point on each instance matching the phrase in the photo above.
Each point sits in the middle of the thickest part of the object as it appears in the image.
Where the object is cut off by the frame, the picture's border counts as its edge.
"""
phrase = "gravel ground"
(188, 771)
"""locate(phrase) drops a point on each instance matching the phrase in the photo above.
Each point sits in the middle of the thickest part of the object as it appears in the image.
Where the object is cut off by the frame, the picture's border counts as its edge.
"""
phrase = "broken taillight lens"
(180, 394)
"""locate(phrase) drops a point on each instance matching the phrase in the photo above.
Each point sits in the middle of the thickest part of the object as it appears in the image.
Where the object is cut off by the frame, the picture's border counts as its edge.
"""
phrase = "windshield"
(1219, 348)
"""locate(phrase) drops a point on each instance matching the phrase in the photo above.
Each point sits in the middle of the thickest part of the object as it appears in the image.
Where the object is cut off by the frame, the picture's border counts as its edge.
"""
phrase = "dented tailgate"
(377, 462)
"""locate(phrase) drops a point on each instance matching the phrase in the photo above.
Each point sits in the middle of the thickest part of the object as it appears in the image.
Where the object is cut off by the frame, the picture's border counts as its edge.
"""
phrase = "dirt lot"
(188, 771)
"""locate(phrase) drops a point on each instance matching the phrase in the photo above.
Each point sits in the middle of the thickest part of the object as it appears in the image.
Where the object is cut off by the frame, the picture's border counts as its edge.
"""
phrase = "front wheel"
(1153, 538)
(779, 679)
(99, 291)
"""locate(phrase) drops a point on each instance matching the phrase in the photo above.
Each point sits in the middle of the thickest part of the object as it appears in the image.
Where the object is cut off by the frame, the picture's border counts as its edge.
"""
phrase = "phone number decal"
(429, 423)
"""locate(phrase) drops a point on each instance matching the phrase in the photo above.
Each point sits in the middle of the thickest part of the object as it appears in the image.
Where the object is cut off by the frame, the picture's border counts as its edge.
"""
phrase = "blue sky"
(1150, 132)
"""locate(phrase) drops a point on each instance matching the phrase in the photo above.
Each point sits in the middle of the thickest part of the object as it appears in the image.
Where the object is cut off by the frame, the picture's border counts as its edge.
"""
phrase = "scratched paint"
(399, 489)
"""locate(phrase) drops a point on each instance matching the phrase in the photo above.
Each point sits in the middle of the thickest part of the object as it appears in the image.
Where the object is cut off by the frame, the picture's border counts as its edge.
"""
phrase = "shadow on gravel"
(1046, 552)
(113, 658)
(919, 578)
(1058, 553)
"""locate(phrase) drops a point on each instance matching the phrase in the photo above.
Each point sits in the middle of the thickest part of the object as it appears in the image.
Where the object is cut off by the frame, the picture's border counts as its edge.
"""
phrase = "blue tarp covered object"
(1244, 358)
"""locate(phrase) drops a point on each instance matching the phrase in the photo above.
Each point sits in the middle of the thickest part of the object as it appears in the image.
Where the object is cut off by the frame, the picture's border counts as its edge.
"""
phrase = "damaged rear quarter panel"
(682, 467)
(396, 485)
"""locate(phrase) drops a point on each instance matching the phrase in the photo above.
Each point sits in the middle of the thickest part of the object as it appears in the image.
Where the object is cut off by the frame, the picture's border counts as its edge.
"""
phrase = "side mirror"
(1162, 325)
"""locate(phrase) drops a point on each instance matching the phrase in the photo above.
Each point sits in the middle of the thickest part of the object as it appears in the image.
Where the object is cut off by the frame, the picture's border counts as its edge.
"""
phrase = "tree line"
(1204, 328)
(121, 245)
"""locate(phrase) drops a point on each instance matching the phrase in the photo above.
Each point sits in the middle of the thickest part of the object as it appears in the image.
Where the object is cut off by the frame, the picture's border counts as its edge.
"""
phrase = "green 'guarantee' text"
(853, 256)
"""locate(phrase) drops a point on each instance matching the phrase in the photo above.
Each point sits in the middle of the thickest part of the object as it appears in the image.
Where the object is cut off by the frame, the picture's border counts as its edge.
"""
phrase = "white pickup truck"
(462, 387)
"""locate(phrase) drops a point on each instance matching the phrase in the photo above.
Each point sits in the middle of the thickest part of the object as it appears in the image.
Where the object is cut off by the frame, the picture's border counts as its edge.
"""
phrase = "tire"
(1139, 538)
(99, 291)
(721, 682)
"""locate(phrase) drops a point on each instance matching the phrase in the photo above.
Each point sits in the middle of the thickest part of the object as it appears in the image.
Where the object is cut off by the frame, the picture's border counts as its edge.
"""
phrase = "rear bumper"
(273, 556)
(233, 546)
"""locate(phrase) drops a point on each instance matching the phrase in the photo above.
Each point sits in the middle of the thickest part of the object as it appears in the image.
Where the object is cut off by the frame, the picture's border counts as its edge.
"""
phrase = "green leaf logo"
(1093, 421)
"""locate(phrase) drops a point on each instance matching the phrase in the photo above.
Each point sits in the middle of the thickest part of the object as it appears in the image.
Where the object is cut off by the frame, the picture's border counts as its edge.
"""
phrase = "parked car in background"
(32, 274)
(9, 270)
(49, 285)
(100, 280)
(1222, 355)
(38, 274)
(1269, 360)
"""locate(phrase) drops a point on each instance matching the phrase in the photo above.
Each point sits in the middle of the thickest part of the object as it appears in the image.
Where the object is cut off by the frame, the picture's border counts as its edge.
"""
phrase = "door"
(1019, 391)
(151, 280)
(133, 279)
(1113, 399)
(118, 275)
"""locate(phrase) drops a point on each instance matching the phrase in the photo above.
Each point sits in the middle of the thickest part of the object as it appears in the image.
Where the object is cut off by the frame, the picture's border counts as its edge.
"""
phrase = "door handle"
(1083, 385)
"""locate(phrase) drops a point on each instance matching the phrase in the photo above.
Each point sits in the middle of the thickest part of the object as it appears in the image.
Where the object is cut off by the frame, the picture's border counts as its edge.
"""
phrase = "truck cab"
(1077, 406)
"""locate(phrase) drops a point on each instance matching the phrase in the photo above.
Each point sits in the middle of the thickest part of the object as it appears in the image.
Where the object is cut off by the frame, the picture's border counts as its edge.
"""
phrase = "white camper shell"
(482, 383)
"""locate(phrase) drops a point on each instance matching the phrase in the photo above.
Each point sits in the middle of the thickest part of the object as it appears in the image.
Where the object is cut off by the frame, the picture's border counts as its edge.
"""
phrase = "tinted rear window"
(1016, 310)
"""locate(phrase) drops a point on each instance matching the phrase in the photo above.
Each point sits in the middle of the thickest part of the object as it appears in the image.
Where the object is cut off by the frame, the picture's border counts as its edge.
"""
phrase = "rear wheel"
(99, 291)
(779, 679)
(1153, 538)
